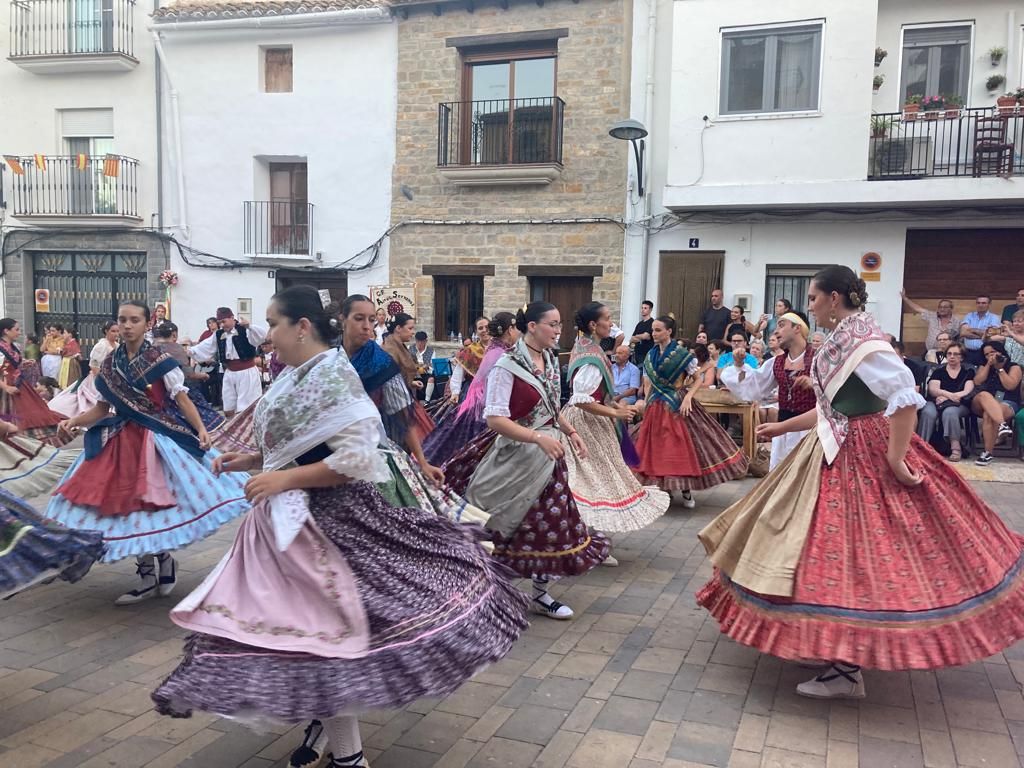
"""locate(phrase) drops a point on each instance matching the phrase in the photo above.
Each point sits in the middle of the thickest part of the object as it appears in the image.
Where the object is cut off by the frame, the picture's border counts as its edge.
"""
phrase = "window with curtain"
(936, 60)
(458, 302)
(771, 70)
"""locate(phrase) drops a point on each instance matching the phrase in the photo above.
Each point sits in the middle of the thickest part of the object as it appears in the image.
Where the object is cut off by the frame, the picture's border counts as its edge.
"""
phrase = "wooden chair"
(993, 155)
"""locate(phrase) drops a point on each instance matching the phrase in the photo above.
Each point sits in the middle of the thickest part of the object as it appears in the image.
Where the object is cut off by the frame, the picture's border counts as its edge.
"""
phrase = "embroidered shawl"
(853, 339)
(376, 368)
(12, 359)
(135, 390)
(470, 357)
(548, 384)
(476, 396)
(586, 351)
(664, 369)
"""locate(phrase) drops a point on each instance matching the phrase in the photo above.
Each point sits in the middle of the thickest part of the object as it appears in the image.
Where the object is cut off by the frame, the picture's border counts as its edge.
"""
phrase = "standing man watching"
(715, 319)
(976, 327)
(236, 345)
(642, 340)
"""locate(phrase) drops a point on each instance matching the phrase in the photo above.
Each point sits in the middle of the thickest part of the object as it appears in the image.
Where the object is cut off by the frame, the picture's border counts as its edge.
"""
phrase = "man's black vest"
(245, 350)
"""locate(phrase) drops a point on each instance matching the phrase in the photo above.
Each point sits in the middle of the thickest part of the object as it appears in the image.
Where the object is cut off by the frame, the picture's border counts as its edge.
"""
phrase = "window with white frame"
(936, 60)
(771, 69)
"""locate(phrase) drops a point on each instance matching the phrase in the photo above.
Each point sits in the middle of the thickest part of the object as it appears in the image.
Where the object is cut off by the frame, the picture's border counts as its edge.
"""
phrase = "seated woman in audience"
(715, 350)
(937, 356)
(706, 367)
(1012, 336)
(948, 392)
(997, 382)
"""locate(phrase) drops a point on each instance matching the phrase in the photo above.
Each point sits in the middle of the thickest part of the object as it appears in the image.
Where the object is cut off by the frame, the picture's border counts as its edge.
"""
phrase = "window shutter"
(278, 72)
(925, 38)
(86, 122)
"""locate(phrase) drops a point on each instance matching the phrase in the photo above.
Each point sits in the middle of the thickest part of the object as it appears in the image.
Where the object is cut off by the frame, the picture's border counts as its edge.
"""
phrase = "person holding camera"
(997, 384)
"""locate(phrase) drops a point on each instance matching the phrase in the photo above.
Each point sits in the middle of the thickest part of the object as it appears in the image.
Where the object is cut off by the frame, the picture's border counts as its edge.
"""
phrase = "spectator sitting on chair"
(739, 349)
(701, 338)
(1011, 309)
(626, 375)
(1012, 336)
(976, 328)
(942, 319)
(817, 339)
(715, 319)
(423, 354)
(774, 345)
(937, 356)
(948, 391)
(757, 351)
(997, 398)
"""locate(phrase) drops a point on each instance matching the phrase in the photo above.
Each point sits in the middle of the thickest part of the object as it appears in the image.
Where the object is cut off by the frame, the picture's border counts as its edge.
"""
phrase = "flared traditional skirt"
(686, 453)
(146, 494)
(29, 468)
(607, 494)
(888, 576)
(552, 540)
(438, 608)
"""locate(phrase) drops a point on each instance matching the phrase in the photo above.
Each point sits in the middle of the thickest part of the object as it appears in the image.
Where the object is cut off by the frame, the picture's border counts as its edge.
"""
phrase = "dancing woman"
(516, 471)
(454, 433)
(864, 547)
(20, 404)
(467, 362)
(681, 447)
(401, 329)
(82, 395)
(330, 602)
(145, 479)
(607, 494)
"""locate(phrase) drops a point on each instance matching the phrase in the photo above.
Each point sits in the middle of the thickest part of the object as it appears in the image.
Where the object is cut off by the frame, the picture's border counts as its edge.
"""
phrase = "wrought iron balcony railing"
(955, 142)
(500, 132)
(277, 228)
(54, 28)
(76, 185)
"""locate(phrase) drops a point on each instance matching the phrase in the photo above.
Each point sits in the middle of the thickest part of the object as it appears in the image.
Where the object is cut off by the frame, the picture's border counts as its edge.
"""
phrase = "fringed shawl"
(664, 370)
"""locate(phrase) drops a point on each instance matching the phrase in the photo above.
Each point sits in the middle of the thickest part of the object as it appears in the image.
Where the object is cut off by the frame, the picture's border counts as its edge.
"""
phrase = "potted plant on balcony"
(932, 106)
(880, 53)
(880, 126)
(1007, 103)
(1019, 95)
(911, 107)
(994, 83)
(876, 83)
(996, 54)
(953, 106)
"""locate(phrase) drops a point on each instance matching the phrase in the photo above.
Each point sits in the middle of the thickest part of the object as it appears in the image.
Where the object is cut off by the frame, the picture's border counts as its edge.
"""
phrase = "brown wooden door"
(568, 294)
(685, 282)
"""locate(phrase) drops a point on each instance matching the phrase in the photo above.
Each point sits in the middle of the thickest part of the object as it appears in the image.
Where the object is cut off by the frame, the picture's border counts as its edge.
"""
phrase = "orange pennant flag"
(82, 161)
(40, 162)
(15, 164)
(111, 165)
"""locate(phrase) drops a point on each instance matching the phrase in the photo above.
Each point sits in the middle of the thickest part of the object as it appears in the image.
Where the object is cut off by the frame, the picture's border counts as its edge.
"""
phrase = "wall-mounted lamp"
(634, 132)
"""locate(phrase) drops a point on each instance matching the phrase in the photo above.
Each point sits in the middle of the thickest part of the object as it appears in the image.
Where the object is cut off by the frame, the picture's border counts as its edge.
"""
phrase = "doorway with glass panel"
(89, 190)
(510, 115)
(90, 26)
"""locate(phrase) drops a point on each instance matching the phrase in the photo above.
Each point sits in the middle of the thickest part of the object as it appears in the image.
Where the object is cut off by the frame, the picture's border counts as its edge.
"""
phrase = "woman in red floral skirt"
(20, 404)
(863, 547)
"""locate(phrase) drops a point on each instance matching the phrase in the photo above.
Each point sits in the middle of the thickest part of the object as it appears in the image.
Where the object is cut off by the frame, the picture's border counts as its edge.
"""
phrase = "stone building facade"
(530, 219)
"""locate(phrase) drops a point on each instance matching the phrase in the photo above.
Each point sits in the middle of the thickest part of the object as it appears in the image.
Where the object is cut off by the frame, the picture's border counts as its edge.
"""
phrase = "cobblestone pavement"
(641, 678)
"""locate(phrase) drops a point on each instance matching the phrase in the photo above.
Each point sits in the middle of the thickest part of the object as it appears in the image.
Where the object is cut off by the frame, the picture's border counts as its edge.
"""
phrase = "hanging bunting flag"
(40, 162)
(81, 161)
(111, 165)
(15, 164)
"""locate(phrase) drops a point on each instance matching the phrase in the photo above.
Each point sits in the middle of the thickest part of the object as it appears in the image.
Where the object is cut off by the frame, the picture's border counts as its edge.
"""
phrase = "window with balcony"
(775, 69)
(509, 114)
(280, 225)
(458, 302)
(73, 36)
(936, 60)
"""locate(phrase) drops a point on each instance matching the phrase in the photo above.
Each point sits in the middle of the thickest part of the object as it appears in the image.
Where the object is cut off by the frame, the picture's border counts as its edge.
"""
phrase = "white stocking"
(343, 740)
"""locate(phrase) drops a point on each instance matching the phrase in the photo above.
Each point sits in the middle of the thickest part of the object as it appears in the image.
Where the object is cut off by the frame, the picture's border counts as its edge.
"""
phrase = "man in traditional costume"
(237, 352)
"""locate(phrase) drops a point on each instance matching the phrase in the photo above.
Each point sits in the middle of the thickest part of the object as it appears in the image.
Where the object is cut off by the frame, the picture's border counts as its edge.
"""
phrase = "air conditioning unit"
(901, 157)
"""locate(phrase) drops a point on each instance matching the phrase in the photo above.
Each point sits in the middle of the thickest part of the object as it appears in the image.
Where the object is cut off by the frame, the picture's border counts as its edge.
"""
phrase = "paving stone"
(702, 743)
(535, 725)
(437, 732)
(889, 754)
(978, 749)
(506, 753)
(626, 715)
(604, 749)
(723, 709)
(644, 685)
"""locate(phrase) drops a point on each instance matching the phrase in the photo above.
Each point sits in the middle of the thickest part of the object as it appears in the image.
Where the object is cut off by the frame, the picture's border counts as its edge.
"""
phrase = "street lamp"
(634, 132)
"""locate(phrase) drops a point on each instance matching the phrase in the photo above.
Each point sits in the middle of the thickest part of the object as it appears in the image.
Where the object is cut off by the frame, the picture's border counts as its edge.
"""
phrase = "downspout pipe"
(176, 135)
(652, 26)
(159, 136)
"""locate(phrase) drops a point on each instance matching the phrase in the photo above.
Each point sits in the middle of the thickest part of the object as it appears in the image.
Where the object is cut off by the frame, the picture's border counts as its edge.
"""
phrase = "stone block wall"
(592, 78)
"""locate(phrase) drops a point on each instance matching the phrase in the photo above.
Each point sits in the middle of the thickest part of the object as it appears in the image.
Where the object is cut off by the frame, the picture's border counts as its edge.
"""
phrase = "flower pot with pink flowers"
(933, 106)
